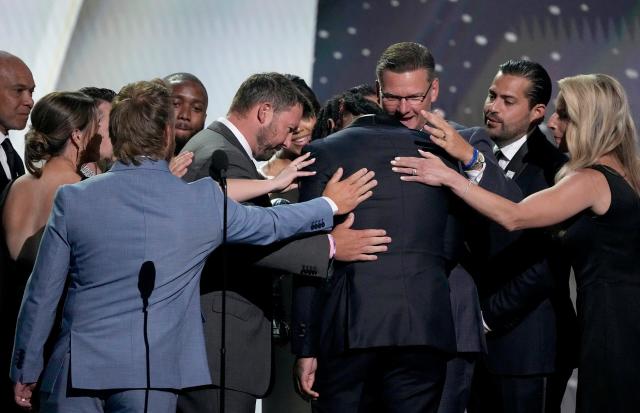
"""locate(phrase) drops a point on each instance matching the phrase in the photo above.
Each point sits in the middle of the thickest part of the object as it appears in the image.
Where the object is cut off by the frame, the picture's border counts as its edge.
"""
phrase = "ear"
(378, 92)
(537, 113)
(76, 139)
(265, 113)
(435, 89)
(331, 124)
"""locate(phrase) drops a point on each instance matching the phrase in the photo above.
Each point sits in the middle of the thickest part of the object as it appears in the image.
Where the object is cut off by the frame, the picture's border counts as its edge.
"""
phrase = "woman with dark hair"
(597, 191)
(63, 123)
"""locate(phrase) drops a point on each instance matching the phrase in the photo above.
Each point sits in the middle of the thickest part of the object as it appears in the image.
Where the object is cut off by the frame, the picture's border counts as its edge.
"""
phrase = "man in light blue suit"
(100, 233)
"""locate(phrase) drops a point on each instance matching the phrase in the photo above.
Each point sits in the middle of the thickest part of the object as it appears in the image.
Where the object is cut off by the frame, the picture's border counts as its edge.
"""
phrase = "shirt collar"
(243, 141)
(510, 150)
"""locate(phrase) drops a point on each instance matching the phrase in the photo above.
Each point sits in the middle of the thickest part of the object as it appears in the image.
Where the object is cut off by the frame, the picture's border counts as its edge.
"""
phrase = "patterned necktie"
(13, 160)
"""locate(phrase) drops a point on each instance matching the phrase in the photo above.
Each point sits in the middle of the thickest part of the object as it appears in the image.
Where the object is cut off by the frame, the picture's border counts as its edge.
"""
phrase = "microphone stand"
(146, 282)
(223, 314)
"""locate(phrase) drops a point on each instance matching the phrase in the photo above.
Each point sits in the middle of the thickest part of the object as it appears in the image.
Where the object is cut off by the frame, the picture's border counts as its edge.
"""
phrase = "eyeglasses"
(412, 100)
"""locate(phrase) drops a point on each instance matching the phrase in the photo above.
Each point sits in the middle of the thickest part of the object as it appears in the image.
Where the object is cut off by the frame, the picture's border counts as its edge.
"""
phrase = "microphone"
(146, 282)
(219, 165)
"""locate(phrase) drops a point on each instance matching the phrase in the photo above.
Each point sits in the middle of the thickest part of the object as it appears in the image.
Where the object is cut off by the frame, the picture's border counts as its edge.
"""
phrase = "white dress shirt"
(3, 157)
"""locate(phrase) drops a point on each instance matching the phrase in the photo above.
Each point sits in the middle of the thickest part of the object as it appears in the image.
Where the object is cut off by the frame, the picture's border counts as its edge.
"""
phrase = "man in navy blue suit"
(524, 288)
(381, 332)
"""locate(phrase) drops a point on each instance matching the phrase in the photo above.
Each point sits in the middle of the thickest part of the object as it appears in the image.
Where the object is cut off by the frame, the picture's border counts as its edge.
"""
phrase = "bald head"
(16, 90)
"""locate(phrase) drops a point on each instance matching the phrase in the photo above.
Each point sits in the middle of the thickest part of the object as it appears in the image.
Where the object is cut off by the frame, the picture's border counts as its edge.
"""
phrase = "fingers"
(300, 163)
(425, 154)
(408, 171)
(366, 184)
(348, 221)
(356, 176)
(307, 390)
(336, 175)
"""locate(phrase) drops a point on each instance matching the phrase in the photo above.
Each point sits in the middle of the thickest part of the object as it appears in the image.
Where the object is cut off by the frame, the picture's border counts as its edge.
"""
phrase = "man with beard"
(190, 101)
(524, 290)
(264, 114)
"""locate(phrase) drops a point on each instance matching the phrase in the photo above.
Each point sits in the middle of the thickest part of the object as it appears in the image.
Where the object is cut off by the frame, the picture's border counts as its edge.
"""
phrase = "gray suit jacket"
(99, 233)
(248, 339)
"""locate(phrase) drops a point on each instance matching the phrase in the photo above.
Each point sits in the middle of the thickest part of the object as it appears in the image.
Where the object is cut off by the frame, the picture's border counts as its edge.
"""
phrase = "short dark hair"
(313, 107)
(272, 88)
(352, 102)
(540, 90)
(139, 115)
(364, 89)
(99, 93)
(181, 77)
(405, 57)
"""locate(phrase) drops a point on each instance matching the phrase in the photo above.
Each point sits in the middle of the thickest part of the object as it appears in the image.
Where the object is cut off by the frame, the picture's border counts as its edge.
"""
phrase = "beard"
(264, 150)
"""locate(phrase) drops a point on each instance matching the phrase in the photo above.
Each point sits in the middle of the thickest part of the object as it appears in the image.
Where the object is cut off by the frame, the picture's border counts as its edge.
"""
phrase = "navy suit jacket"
(402, 298)
(524, 287)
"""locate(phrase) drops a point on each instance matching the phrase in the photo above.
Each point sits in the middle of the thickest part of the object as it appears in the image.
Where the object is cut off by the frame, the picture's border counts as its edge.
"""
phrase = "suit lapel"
(222, 129)
(517, 165)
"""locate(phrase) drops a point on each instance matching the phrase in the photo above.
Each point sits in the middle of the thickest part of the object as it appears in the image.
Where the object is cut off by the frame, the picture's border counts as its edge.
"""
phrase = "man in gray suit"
(102, 234)
(262, 118)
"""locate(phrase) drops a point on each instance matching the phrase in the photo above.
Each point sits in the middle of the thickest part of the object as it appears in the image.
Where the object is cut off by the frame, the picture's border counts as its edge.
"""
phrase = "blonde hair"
(598, 122)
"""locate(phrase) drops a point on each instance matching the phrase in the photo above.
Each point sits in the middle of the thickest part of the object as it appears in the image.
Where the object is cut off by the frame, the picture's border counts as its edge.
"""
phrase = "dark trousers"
(400, 379)
(457, 386)
(206, 399)
(517, 394)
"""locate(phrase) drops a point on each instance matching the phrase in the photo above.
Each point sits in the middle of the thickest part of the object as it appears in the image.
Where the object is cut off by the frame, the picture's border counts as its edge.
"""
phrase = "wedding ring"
(415, 172)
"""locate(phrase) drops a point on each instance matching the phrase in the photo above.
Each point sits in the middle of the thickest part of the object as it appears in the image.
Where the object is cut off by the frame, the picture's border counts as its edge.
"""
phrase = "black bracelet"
(473, 160)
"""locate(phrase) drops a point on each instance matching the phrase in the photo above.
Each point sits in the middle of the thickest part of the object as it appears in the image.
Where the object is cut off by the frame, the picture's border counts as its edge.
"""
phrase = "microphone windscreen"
(147, 279)
(219, 164)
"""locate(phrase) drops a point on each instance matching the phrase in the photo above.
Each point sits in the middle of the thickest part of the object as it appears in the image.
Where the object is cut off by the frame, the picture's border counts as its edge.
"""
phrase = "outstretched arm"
(576, 192)
(244, 189)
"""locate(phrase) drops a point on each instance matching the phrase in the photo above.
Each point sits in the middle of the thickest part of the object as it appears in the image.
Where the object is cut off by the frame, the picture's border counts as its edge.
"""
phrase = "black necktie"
(13, 159)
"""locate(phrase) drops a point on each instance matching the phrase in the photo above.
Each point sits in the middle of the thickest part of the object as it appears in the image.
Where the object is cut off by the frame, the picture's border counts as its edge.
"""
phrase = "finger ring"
(444, 135)
(23, 399)
(415, 172)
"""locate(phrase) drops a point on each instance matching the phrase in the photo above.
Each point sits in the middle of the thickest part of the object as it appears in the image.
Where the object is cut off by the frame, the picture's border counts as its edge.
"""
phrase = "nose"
(183, 112)
(552, 122)
(287, 140)
(403, 105)
(29, 100)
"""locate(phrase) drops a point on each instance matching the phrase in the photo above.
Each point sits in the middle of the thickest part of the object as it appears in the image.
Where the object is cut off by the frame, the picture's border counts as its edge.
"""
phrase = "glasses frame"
(412, 100)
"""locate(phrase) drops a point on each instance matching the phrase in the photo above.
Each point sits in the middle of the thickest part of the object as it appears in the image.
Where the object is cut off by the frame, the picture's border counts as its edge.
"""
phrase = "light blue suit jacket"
(99, 233)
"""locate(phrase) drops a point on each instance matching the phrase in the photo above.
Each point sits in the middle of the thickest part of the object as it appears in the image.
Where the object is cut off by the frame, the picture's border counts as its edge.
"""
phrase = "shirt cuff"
(333, 205)
(475, 175)
(484, 325)
(332, 246)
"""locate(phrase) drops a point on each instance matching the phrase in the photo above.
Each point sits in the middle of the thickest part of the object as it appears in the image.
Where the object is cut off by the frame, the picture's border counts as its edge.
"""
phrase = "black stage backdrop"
(470, 38)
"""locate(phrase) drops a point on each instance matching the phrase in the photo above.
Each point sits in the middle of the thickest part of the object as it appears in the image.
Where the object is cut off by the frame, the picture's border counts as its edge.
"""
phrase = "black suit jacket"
(524, 288)
(248, 340)
(402, 298)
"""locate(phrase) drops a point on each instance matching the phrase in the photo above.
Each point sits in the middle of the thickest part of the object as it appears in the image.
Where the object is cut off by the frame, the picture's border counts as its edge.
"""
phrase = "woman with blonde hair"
(597, 191)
